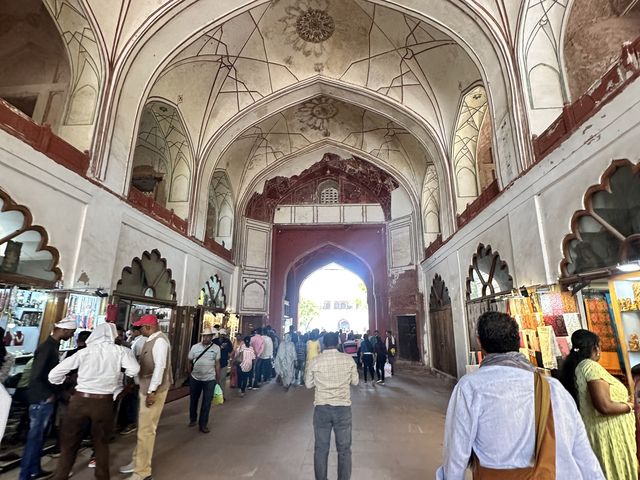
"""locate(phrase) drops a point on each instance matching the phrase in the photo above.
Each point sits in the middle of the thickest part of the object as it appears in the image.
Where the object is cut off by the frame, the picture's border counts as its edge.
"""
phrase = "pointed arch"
(472, 111)
(163, 159)
(220, 209)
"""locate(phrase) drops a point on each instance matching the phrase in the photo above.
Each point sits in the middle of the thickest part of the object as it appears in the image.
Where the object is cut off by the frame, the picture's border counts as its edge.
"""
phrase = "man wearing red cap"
(155, 379)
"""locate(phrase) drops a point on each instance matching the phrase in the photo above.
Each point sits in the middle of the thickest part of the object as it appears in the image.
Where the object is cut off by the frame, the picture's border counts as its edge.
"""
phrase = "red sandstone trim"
(42, 139)
(574, 115)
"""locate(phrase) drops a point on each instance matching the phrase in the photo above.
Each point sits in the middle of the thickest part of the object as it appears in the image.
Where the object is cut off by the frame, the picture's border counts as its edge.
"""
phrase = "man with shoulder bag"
(204, 370)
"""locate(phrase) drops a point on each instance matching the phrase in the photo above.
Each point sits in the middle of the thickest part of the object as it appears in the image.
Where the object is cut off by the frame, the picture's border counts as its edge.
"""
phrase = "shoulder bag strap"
(203, 352)
(545, 465)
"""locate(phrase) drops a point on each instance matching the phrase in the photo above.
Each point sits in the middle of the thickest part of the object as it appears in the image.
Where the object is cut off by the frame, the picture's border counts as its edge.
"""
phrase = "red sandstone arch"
(298, 251)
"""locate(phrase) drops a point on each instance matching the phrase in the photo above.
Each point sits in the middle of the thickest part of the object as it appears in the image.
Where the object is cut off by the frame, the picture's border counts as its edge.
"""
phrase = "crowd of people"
(111, 379)
(506, 420)
(262, 356)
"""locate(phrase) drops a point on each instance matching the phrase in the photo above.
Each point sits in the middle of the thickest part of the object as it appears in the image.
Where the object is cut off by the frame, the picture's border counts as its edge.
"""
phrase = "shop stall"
(489, 286)
(29, 279)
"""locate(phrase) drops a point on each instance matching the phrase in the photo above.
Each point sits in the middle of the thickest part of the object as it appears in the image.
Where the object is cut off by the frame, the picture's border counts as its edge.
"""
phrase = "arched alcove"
(607, 231)
(473, 116)
(221, 212)
(147, 277)
(36, 72)
(163, 162)
(488, 274)
(212, 294)
(25, 256)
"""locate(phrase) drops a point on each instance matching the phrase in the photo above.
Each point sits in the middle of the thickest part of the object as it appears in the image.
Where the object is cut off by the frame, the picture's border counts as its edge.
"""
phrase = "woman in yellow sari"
(604, 406)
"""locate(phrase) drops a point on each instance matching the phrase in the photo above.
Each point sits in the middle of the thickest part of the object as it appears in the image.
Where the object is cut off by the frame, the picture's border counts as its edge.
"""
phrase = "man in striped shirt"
(332, 373)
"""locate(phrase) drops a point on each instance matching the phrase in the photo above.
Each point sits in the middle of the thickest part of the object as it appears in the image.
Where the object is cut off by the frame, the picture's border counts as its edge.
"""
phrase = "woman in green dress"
(603, 403)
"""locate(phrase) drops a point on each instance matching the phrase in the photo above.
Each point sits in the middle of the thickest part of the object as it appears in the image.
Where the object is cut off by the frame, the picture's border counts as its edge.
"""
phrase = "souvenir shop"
(546, 315)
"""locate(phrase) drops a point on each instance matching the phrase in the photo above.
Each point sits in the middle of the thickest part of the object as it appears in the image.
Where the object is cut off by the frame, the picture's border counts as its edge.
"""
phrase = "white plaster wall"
(96, 232)
(527, 222)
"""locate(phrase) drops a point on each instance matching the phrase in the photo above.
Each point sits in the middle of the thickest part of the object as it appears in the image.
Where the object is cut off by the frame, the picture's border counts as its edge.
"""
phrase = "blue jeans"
(197, 388)
(326, 418)
(39, 417)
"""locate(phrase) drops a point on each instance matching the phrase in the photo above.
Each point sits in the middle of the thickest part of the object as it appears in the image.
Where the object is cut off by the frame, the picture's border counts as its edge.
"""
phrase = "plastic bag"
(218, 397)
(387, 370)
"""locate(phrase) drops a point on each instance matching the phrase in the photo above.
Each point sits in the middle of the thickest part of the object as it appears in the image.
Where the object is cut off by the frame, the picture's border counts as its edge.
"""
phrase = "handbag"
(544, 467)
(239, 357)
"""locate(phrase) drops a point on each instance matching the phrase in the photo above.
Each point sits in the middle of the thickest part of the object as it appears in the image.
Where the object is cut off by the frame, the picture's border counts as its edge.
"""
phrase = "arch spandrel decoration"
(607, 231)
(212, 294)
(439, 297)
(149, 277)
(488, 274)
(25, 256)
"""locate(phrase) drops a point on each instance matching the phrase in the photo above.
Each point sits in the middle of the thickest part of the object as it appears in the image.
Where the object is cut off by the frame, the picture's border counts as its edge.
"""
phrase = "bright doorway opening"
(333, 298)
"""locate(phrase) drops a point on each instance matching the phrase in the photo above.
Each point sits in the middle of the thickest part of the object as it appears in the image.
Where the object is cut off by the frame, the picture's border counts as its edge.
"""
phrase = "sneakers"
(379, 381)
(92, 463)
(129, 429)
(204, 429)
(193, 424)
(128, 468)
(249, 387)
(42, 475)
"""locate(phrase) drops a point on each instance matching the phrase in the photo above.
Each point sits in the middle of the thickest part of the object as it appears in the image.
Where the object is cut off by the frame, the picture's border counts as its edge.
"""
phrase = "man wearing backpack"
(204, 370)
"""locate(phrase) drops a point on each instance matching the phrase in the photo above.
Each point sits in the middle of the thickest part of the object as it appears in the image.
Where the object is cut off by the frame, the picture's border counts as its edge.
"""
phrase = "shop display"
(86, 310)
(21, 317)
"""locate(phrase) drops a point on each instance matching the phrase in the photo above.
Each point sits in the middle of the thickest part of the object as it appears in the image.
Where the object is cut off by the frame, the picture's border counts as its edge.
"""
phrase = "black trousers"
(367, 361)
(82, 412)
(380, 361)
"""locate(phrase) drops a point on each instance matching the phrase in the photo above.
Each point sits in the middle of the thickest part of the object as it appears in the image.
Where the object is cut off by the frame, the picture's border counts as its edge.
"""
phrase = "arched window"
(488, 274)
(328, 192)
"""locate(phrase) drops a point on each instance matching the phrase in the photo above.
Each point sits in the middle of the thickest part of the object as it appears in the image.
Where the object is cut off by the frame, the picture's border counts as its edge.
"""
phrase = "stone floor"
(268, 434)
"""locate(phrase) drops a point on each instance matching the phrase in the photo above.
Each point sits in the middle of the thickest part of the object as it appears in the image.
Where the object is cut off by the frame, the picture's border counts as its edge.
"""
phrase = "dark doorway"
(441, 322)
(408, 338)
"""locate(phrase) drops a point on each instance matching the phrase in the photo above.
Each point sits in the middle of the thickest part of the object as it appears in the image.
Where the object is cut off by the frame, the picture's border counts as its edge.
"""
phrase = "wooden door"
(441, 322)
(408, 338)
(180, 335)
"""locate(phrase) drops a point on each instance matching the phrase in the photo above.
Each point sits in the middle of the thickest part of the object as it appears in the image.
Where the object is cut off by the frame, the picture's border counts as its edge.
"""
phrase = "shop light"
(629, 267)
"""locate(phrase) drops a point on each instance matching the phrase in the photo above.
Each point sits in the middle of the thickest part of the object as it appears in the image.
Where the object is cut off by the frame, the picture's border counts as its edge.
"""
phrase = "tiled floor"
(268, 435)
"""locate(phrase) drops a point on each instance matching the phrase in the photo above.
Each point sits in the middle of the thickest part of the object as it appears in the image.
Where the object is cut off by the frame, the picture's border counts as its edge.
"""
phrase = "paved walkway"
(268, 435)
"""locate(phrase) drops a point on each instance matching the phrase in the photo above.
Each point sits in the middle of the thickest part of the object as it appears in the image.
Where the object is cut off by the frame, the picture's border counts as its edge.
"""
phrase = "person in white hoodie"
(99, 368)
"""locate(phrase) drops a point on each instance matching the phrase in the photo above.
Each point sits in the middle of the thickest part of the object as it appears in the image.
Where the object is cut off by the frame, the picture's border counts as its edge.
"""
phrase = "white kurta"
(491, 412)
(5, 405)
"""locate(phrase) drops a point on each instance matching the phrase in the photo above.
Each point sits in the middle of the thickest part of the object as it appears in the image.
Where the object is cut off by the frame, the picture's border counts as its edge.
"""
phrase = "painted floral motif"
(308, 26)
(317, 112)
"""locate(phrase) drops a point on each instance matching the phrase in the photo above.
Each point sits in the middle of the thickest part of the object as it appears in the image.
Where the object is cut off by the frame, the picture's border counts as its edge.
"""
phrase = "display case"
(625, 302)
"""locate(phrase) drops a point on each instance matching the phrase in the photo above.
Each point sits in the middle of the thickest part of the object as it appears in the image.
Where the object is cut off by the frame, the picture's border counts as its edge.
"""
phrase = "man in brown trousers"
(99, 368)
(155, 379)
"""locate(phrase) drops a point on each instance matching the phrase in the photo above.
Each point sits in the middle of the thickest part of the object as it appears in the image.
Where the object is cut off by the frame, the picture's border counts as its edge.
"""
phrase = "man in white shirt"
(204, 370)
(491, 413)
(156, 376)
(99, 368)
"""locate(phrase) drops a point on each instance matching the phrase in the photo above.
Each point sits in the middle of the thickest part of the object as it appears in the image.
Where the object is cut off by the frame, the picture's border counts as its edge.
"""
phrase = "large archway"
(317, 259)
(299, 251)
